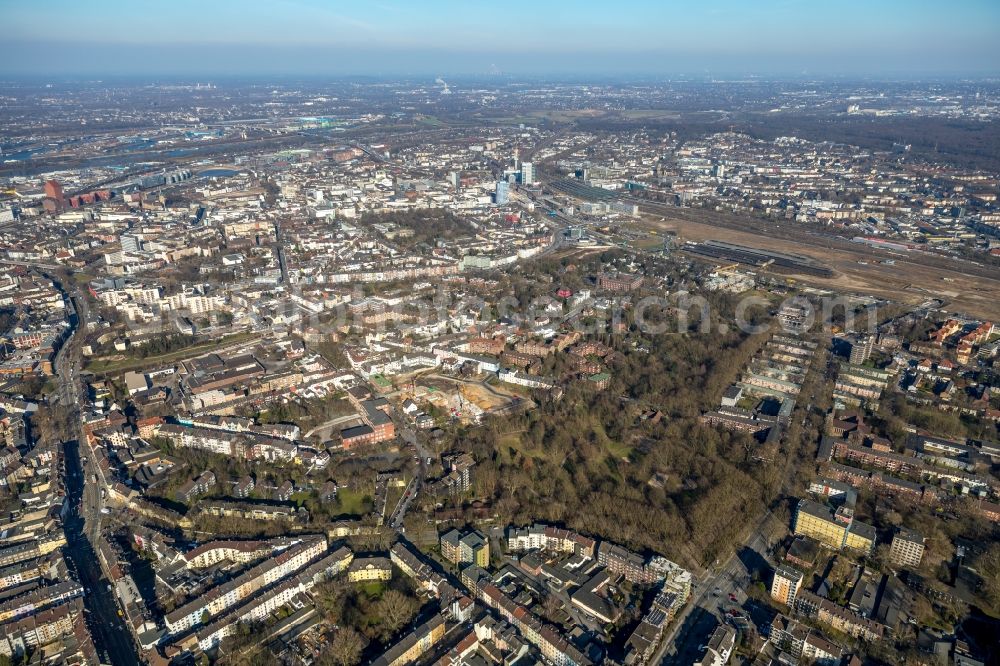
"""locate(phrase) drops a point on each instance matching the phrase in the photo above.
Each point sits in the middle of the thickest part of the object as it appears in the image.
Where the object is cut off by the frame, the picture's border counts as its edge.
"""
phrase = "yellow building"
(415, 644)
(471, 547)
(475, 548)
(364, 569)
(50, 542)
(860, 537)
(834, 529)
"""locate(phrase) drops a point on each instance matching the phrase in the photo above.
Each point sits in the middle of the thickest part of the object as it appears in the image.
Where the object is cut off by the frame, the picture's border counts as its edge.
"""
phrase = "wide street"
(693, 626)
(82, 523)
(111, 636)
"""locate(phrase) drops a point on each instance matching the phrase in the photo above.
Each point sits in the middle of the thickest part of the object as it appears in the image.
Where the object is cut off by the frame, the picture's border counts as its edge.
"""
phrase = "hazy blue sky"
(310, 37)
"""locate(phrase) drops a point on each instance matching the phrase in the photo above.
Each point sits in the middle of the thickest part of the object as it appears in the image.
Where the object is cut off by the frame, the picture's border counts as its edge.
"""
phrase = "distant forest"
(964, 143)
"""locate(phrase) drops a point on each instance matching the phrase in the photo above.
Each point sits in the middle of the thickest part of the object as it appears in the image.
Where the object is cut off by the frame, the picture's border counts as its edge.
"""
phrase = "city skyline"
(460, 333)
(453, 38)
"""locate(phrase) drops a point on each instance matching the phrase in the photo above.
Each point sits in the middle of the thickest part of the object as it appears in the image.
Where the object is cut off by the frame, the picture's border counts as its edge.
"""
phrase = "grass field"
(300, 498)
(350, 502)
(567, 115)
(430, 121)
(517, 442)
(373, 589)
(614, 448)
(650, 114)
(393, 495)
(648, 243)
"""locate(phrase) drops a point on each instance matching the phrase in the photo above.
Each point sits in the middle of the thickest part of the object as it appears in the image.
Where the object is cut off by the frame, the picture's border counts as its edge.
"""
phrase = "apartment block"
(364, 569)
(835, 529)
(907, 548)
(471, 547)
(223, 597)
(785, 585)
(619, 283)
(803, 642)
(414, 644)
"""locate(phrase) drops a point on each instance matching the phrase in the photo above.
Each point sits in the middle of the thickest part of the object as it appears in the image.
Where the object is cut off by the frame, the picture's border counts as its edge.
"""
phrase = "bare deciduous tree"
(395, 609)
(345, 648)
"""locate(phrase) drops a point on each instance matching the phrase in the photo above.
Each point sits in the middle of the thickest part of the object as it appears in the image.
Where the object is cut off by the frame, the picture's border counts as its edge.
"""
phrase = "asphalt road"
(325, 427)
(478, 382)
(111, 636)
(82, 523)
(399, 512)
(693, 627)
(409, 436)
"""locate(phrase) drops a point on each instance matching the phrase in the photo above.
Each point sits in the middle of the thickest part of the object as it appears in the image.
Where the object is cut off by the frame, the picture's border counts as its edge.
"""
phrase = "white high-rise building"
(501, 193)
(527, 173)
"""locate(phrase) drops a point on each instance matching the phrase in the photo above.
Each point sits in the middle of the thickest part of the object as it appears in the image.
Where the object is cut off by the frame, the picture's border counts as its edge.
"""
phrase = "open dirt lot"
(485, 396)
(914, 278)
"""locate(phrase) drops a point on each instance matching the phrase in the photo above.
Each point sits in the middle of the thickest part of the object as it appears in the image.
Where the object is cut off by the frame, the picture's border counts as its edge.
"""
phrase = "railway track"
(779, 231)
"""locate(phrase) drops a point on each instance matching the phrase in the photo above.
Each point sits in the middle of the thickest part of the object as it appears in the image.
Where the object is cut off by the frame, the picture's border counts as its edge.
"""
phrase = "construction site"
(466, 400)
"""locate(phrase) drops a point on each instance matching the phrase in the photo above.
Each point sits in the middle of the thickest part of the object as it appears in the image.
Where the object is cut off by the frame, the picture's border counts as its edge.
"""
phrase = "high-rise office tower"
(527, 173)
(501, 193)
